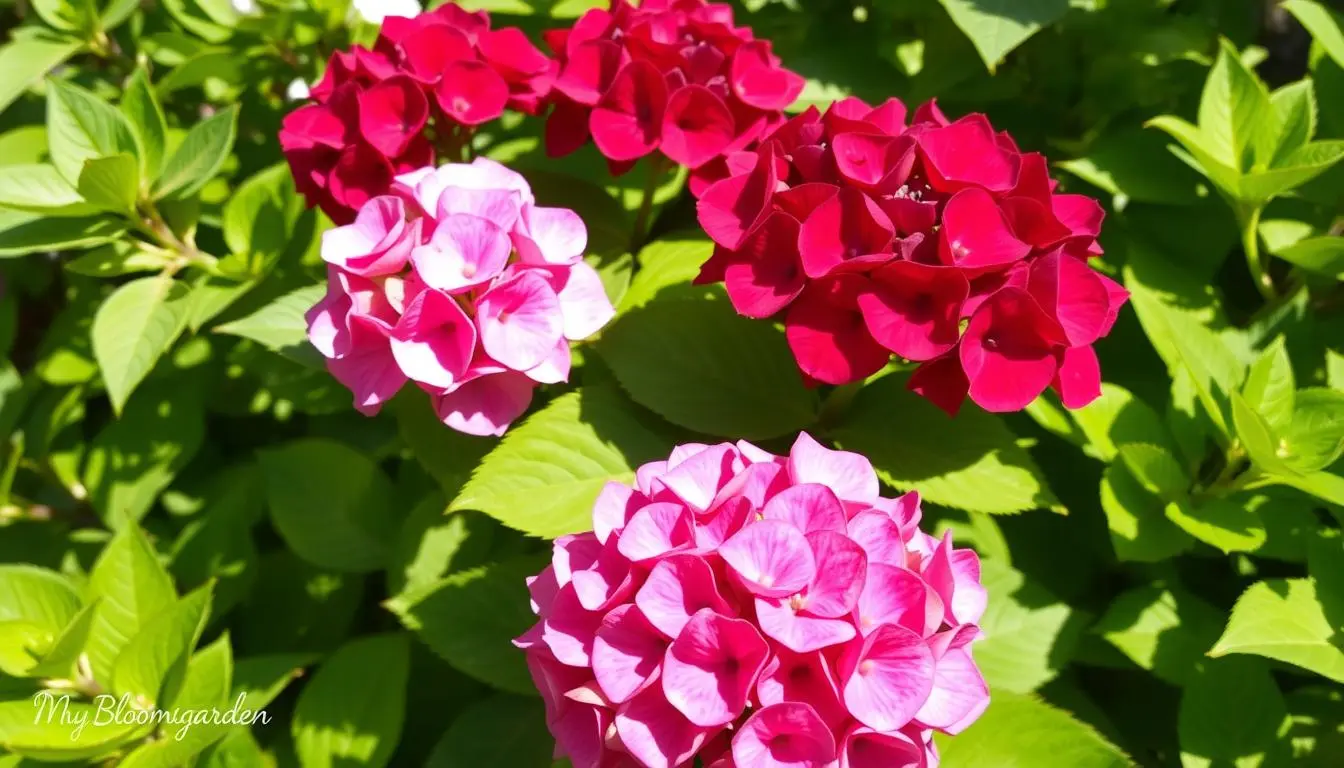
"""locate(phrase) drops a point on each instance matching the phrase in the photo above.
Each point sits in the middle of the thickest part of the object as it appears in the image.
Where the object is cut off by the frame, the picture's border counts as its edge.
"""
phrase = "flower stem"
(640, 232)
(1249, 219)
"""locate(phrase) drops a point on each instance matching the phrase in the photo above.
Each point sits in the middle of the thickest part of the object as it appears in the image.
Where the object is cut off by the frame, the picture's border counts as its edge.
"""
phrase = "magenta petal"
(1071, 292)
(1008, 351)
(967, 153)
(614, 505)
(464, 251)
(471, 92)
(841, 229)
(569, 631)
(697, 479)
(805, 677)
(866, 748)
(880, 537)
(894, 595)
(392, 113)
(656, 530)
(771, 557)
(376, 244)
(677, 588)
(849, 475)
(520, 321)
(733, 207)
(580, 733)
(783, 620)
(605, 582)
(767, 272)
(655, 733)
(697, 126)
(627, 652)
(758, 80)
(434, 340)
(589, 70)
(914, 309)
(887, 678)
(1078, 380)
(727, 519)
(959, 693)
(369, 370)
(809, 507)
(841, 566)
(975, 235)
(627, 123)
(486, 405)
(789, 734)
(712, 666)
(955, 575)
(827, 335)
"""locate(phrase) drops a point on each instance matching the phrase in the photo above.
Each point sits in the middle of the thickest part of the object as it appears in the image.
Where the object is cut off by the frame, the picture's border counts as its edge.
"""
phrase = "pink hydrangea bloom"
(756, 611)
(459, 282)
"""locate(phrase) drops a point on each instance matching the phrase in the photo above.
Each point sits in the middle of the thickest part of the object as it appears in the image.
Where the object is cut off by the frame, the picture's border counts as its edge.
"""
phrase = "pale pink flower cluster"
(459, 282)
(756, 611)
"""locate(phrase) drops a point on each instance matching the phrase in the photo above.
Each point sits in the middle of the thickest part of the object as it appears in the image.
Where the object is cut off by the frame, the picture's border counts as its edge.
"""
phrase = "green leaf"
(1139, 529)
(132, 330)
(1257, 437)
(996, 27)
(81, 126)
(1162, 630)
(972, 462)
(671, 261)
(1323, 485)
(148, 125)
(1230, 714)
(25, 233)
(279, 326)
(500, 730)
(1230, 524)
(151, 665)
(1028, 637)
(34, 727)
(40, 189)
(1324, 24)
(697, 363)
(204, 687)
(1236, 115)
(433, 544)
(134, 458)
(351, 712)
(1156, 469)
(330, 503)
(1022, 731)
(1269, 385)
(1117, 418)
(1296, 169)
(118, 11)
(27, 60)
(199, 157)
(78, 16)
(117, 259)
(132, 586)
(1202, 151)
(471, 617)
(111, 183)
(544, 475)
(36, 605)
(255, 219)
(1314, 439)
(192, 15)
(59, 661)
(1134, 165)
(1283, 619)
(447, 455)
(1295, 111)
(1323, 255)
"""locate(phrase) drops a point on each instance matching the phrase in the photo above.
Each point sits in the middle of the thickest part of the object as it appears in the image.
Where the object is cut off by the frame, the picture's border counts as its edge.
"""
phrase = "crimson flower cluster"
(446, 68)
(671, 75)
(937, 241)
(737, 609)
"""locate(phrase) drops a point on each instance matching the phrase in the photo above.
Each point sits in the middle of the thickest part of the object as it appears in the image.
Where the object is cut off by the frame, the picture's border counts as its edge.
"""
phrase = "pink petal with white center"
(368, 369)
(575, 552)
(656, 530)
(465, 251)
(486, 405)
(655, 733)
(879, 536)
(724, 522)
(377, 244)
(502, 207)
(607, 581)
(809, 507)
(866, 748)
(790, 676)
(761, 482)
(677, 588)
(434, 340)
(771, 557)
(519, 321)
(955, 576)
(783, 620)
(785, 735)
(626, 653)
(555, 368)
(959, 694)
(612, 509)
(849, 475)
(893, 595)
(712, 666)
(887, 678)
(841, 566)
(551, 236)
(697, 480)
(569, 631)
(584, 305)
(328, 327)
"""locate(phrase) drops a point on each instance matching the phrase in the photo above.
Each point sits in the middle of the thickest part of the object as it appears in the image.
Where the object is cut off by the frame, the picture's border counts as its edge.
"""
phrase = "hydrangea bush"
(663, 383)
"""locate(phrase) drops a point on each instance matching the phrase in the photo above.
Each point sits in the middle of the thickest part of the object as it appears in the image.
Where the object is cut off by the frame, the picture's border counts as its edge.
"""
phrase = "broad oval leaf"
(996, 27)
(133, 328)
(150, 667)
(81, 126)
(352, 711)
(132, 587)
(500, 730)
(1284, 619)
(1020, 730)
(199, 157)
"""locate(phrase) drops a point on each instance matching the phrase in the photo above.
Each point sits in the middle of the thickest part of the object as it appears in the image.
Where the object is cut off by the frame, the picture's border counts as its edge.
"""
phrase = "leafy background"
(191, 510)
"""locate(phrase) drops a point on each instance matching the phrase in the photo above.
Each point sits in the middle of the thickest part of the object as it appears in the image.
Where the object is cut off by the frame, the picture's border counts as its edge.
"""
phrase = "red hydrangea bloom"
(459, 282)
(670, 75)
(755, 611)
(936, 241)
(444, 68)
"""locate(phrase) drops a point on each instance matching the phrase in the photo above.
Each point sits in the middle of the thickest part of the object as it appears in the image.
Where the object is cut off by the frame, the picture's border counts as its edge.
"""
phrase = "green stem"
(657, 166)
(1249, 219)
